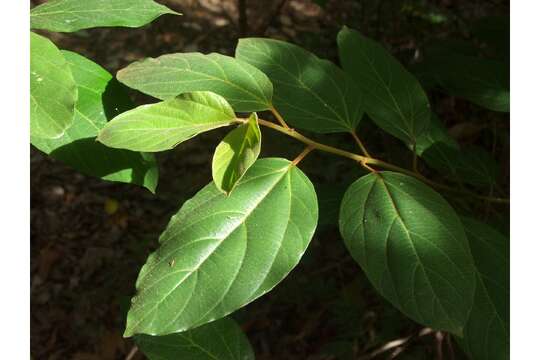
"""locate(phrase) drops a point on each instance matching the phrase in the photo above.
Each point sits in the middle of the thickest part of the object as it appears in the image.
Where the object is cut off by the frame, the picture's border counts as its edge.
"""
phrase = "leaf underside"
(235, 154)
(242, 85)
(311, 93)
(487, 333)
(393, 98)
(162, 126)
(74, 15)
(221, 252)
(412, 246)
(78, 147)
(50, 115)
(222, 339)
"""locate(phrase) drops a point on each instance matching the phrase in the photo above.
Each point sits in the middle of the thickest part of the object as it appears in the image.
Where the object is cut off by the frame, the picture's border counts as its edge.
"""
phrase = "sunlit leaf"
(221, 252)
(235, 154)
(73, 15)
(53, 91)
(242, 85)
(162, 126)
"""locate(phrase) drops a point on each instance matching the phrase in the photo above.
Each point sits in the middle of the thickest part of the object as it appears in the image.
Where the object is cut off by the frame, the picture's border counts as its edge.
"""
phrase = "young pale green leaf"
(222, 339)
(162, 126)
(435, 133)
(245, 88)
(412, 246)
(394, 99)
(53, 91)
(235, 154)
(487, 333)
(78, 147)
(311, 93)
(74, 15)
(220, 252)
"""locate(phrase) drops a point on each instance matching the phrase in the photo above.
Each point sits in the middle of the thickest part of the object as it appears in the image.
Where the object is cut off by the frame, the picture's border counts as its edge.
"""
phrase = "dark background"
(90, 237)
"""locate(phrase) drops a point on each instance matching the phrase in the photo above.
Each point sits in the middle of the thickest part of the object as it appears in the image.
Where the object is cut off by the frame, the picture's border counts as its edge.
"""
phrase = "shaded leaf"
(311, 93)
(393, 98)
(235, 154)
(53, 91)
(245, 88)
(222, 339)
(100, 98)
(435, 133)
(73, 15)
(162, 126)
(412, 246)
(220, 252)
(477, 167)
(487, 333)
(484, 82)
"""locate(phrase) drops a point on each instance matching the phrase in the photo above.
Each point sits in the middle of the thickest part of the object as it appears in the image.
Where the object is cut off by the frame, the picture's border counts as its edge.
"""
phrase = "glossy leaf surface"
(235, 154)
(73, 15)
(53, 91)
(412, 246)
(242, 85)
(162, 126)
(394, 99)
(100, 97)
(487, 333)
(220, 252)
(311, 93)
(222, 339)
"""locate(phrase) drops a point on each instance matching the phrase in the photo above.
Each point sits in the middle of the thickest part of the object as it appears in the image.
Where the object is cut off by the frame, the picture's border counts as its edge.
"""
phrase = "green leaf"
(393, 98)
(435, 133)
(53, 91)
(484, 82)
(412, 247)
(162, 126)
(471, 165)
(73, 15)
(222, 339)
(245, 88)
(235, 154)
(221, 252)
(100, 98)
(487, 333)
(311, 93)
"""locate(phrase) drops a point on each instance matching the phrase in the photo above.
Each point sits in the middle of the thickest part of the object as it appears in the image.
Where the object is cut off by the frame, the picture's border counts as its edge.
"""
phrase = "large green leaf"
(309, 92)
(222, 339)
(221, 252)
(393, 98)
(412, 246)
(73, 15)
(235, 154)
(487, 333)
(53, 91)
(100, 98)
(245, 87)
(162, 126)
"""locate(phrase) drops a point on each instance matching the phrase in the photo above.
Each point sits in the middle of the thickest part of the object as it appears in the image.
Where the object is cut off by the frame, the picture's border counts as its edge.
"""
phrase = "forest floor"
(89, 237)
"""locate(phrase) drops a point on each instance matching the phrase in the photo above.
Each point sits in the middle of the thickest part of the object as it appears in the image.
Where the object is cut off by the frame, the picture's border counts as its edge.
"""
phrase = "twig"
(360, 144)
(132, 352)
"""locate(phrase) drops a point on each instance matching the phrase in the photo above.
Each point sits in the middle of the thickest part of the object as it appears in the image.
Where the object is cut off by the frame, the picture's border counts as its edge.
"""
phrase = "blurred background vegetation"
(90, 237)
